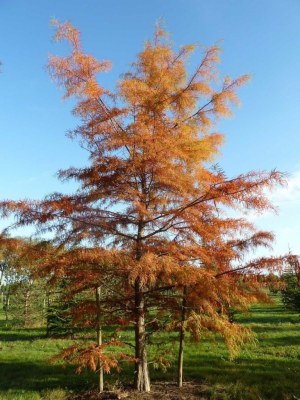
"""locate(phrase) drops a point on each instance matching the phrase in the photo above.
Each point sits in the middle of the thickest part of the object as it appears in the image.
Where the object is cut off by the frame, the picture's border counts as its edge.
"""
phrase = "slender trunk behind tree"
(181, 339)
(6, 306)
(1, 290)
(1, 283)
(141, 373)
(47, 314)
(26, 307)
(99, 336)
(45, 302)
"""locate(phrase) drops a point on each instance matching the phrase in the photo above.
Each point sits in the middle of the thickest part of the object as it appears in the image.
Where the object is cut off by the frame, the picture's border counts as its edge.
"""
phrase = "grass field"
(267, 369)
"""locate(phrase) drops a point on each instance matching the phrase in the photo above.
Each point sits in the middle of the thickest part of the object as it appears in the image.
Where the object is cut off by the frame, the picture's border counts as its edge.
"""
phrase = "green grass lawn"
(268, 369)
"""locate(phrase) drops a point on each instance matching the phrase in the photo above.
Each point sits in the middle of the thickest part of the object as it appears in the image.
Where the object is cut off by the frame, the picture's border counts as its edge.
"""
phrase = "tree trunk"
(47, 314)
(1, 291)
(99, 337)
(7, 295)
(26, 307)
(141, 373)
(181, 339)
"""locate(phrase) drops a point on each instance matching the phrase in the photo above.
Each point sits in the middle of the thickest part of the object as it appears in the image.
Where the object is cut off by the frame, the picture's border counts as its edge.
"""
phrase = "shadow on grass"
(279, 328)
(11, 334)
(281, 341)
(22, 335)
(274, 379)
(266, 318)
(31, 334)
(38, 376)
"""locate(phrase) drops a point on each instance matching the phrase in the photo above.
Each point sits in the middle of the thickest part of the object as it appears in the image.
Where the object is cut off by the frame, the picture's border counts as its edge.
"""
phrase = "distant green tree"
(59, 313)
(22, 292)
(291, 277)
(27, 303)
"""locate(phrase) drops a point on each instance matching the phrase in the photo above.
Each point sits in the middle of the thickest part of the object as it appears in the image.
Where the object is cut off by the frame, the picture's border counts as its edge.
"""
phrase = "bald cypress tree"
(150, 194)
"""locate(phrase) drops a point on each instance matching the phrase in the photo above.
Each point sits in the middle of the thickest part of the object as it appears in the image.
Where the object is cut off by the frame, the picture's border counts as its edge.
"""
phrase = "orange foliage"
(90, 355)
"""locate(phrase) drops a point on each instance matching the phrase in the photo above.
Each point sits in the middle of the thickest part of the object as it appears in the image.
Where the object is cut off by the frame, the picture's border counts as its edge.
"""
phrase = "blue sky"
(260, 37)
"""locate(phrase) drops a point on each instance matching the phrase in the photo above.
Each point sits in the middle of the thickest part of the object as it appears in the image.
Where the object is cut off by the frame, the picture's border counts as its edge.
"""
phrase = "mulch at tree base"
(159, 391)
